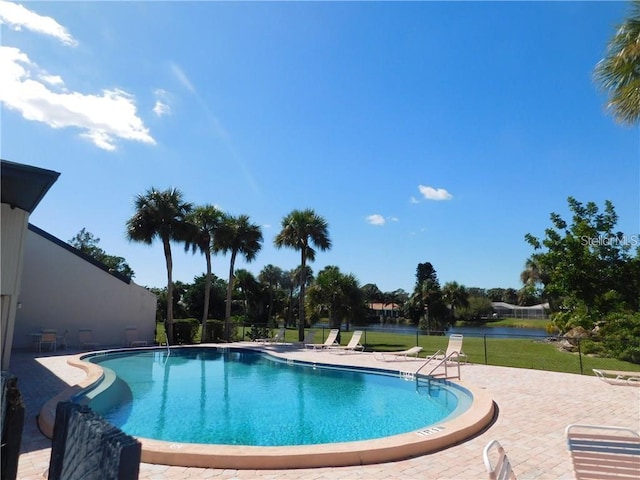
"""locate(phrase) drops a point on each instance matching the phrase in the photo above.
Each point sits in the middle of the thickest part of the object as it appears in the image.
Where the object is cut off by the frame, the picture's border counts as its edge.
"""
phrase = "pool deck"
(534, 409)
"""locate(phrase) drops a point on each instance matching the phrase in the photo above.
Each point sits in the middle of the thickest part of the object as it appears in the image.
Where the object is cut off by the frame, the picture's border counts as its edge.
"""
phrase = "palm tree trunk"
(207, 291)
(169, 260)
(303, 281)
(227, 311)
(270, 303)
(289, 308)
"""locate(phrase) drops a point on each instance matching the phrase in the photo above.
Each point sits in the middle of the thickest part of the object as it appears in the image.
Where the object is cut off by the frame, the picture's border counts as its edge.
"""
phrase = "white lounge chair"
(308, 339)
(85, 339)
(453, 352)
(600, 451)
(399, 355)
(354, 344)
(618, 377)
(131, 338)
(500, 467)
(277, 338)
(330, 341)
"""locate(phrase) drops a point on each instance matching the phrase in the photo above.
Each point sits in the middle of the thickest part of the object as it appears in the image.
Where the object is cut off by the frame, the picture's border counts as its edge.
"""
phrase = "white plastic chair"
(500, 468)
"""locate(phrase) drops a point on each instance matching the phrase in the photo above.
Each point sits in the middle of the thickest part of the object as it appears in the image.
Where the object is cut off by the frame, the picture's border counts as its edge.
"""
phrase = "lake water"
(479, 331)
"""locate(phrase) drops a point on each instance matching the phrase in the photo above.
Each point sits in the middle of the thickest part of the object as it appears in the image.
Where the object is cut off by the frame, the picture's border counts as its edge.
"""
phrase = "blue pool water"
(242, 397)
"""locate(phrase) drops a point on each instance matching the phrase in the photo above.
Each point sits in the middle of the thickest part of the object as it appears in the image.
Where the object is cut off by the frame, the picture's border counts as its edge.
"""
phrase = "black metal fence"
(518, 348)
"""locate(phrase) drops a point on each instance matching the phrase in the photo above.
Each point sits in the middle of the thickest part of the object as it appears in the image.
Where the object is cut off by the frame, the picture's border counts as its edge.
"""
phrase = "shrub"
(620, 334)
(215, 331)
(258, 331)
(185, 330)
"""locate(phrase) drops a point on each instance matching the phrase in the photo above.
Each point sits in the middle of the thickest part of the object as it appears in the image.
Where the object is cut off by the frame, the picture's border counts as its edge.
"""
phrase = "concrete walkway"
(534, 409)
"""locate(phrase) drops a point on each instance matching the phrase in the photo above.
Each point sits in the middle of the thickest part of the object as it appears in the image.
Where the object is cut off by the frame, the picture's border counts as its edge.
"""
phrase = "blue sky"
(437, 132)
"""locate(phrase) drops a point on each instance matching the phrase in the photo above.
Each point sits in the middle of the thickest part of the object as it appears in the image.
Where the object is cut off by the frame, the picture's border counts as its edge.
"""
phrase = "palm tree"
(533, 275)
(618, 72)
(237, 235)
(160, 214)
(372, 293)
(339, 293)
(272, 276)
(396, 299)
(456, 296)
(205, 220)
(248, 286)
(300, 230)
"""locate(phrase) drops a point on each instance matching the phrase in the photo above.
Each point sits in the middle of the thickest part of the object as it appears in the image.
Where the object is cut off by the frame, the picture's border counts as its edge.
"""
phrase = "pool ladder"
(166, 338)
(443, 362)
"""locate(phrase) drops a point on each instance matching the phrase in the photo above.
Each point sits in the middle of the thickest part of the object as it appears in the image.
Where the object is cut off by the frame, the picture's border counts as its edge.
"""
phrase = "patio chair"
(398, 355)
(330, 341)
(48, 337)
(308, 339)
(131, 338)
(600, 451)
(500, 469)
(277, 338)
(85, 339)
(617, 377)
(453, 352)
(354, 344)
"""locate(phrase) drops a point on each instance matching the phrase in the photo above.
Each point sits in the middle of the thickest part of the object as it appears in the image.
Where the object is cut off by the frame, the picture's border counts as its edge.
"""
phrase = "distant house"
(384, 310)
(507, 310)
(47, 284)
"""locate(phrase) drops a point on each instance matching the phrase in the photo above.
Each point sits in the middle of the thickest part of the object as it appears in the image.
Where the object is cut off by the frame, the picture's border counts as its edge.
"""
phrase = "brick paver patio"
(534, 409)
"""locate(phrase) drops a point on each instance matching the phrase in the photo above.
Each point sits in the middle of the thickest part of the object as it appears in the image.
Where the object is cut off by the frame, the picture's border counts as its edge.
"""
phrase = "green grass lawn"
(508, 352)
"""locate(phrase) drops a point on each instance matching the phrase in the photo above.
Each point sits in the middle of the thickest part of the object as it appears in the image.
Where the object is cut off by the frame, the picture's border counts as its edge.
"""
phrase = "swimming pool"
(243, 397)
(103, 389)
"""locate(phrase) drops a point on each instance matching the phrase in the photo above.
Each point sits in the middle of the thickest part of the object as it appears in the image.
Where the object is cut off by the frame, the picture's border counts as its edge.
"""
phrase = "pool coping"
(397, 447)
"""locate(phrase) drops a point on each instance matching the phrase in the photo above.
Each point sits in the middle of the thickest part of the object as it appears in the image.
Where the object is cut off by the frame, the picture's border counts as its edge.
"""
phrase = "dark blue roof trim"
(82, 255)
(23, 186)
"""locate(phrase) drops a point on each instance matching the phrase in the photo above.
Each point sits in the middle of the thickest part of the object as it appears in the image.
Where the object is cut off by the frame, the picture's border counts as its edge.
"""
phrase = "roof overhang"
(23, 186)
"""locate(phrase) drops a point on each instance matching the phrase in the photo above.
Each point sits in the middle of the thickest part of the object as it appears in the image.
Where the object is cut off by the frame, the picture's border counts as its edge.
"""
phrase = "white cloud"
(17, 17)
(431, 193)
(162, 106)
(376, 219)
(413, 200)
(55, 80)
(103, 117)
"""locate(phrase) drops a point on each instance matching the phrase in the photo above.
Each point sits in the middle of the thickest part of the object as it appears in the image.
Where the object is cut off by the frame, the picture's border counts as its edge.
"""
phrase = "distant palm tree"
(205, 220)
(618, 72)
(300, 230)
(455, 295)
(237, 235)
(272, 276)
(248, 286)
(160, 214)
(372, 293)
(340, 294)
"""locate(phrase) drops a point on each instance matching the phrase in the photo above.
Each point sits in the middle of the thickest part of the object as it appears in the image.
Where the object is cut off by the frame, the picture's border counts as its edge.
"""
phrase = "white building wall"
(63, 291)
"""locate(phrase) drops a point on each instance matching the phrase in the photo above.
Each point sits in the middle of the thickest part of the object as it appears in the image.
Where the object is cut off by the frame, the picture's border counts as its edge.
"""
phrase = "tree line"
(587, 272)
